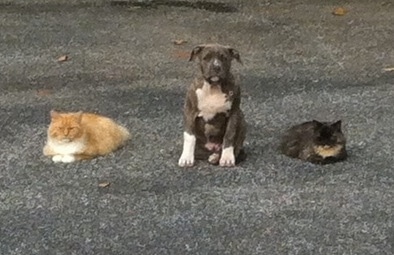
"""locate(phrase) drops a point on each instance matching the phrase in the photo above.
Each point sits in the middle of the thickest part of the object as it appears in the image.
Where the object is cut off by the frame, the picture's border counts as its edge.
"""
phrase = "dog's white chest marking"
(66, 148)
(210, 101)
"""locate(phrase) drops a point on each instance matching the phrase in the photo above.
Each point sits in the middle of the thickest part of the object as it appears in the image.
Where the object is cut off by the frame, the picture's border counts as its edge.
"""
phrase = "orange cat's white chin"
(65, 140)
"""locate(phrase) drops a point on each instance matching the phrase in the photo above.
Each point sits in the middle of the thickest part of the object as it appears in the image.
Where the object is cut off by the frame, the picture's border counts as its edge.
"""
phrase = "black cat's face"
(328, 134)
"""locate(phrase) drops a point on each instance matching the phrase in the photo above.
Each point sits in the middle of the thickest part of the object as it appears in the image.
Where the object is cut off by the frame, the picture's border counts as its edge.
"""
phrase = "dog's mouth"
(213, 79)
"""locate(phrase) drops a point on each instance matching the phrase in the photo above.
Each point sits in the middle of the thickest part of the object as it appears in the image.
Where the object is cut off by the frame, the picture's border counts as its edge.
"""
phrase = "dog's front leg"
(189, 137)
(189, 144)
(228, 156)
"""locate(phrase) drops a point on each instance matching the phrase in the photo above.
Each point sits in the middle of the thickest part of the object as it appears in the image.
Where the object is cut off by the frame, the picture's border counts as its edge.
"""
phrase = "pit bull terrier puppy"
(214, 125)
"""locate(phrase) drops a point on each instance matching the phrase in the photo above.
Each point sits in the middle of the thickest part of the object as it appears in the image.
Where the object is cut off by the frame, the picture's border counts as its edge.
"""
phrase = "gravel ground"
(300, 62)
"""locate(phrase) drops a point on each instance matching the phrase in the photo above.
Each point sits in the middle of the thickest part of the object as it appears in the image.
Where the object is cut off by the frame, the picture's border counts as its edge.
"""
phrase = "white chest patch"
(66, 148)
(210, 101)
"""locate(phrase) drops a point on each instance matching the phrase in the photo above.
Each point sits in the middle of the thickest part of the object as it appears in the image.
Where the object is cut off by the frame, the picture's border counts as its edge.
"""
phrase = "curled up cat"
(316, 142)
(75, 136)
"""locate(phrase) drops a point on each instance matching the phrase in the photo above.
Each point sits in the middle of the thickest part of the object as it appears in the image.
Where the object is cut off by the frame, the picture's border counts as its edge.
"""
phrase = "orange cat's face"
(65, 127)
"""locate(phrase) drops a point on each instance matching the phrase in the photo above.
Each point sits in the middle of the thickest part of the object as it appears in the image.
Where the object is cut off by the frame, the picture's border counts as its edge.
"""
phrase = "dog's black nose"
(217, 68)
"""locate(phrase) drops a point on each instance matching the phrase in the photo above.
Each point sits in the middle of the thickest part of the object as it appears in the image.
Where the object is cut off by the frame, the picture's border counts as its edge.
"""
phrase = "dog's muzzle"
(215, 74)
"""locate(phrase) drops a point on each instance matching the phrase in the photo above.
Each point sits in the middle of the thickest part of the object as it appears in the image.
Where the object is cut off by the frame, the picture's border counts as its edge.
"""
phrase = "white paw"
(227, 158)
(57, 158)
(68, 158)
(187, 157)
(186, 160)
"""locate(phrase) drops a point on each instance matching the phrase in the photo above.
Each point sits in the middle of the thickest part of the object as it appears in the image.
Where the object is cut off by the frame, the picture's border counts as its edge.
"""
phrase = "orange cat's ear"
(54, 114)
(79, 115)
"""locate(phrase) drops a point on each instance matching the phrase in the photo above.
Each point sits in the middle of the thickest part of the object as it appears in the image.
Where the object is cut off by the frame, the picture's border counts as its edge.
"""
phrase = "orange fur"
(83, 135)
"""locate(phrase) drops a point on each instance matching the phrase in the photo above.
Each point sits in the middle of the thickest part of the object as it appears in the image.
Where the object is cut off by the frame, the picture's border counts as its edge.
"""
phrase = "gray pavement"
(300, 62)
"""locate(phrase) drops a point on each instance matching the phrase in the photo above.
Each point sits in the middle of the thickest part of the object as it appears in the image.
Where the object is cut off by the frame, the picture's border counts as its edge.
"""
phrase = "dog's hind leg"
(239, 151)
(214, 158)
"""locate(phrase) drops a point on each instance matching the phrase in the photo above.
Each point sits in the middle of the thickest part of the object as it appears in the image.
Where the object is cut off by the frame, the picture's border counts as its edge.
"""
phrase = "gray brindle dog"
(214, 125)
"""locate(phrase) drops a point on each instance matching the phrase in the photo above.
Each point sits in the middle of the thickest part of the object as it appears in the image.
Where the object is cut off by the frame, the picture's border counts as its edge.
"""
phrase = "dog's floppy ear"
(195, 52)
(235, 54)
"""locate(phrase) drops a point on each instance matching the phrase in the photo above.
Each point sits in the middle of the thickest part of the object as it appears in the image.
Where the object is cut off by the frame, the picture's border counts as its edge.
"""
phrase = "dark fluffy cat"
(316, 142)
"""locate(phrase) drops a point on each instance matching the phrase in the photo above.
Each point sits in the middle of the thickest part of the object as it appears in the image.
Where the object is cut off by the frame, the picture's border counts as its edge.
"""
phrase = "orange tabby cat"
(76, 136)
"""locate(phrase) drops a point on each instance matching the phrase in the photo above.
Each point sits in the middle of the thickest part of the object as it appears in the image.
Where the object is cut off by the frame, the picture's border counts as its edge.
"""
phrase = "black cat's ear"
(317, 124)
(337, 125)
(196, 51)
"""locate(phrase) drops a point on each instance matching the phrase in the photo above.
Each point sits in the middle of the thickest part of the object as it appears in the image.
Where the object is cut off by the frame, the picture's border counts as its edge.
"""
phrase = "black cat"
(316, 142)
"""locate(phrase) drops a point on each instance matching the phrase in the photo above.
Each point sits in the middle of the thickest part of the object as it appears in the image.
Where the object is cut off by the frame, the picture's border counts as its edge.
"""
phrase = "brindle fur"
(226, 128)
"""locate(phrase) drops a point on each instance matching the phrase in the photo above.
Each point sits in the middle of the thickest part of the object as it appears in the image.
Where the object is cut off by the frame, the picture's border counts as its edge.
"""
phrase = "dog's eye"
(222, 57)
(206, 57)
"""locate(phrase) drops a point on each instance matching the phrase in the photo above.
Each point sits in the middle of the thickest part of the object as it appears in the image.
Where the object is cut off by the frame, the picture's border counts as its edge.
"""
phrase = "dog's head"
(215, 61)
